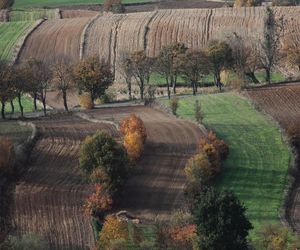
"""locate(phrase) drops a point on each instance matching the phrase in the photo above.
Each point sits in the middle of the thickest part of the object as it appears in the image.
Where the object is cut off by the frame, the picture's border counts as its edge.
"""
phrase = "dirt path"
(49, 199)
(282, 103)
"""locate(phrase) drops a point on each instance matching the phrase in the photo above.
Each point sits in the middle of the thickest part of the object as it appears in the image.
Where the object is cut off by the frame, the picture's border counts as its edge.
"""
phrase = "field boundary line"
(93, 120)
(21, 43)
(84, 35)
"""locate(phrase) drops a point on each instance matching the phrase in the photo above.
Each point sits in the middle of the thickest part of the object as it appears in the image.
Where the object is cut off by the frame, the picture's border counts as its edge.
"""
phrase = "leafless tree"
(63, 77)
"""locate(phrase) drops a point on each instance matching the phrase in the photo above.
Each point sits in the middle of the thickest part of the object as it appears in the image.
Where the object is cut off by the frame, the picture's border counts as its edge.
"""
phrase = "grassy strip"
(55, 3)
(27, 103)
(10, 33)
(31, 15)
(256, 169)
(14, 131)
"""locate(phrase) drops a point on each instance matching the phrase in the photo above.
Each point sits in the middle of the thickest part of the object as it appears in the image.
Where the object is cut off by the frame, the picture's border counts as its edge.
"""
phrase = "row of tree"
(36, 78)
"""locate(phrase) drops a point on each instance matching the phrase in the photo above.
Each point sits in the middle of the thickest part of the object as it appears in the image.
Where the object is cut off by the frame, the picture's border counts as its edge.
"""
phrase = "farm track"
(282, 103)
(49, 199)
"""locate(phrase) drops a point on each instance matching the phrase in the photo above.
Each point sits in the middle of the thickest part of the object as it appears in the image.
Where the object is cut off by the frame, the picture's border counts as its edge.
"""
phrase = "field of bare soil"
(282, 103)
(109, 36)
(49, 199)
(54, 38)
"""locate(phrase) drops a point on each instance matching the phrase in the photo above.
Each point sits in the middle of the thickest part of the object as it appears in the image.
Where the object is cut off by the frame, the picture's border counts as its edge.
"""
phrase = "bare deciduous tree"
(270, 46)
(63, 77)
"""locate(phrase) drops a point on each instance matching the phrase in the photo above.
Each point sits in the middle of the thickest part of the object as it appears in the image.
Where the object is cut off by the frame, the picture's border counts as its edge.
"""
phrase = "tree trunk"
(3, 110)
(174, 83)
(168, 88)
(64, 92)
(252, 76)
(34, 101)
(219, 82)
(12, 106)
(129, 89)
(194, 89)
(268, 75)
(142, 90)
(20, 105)
(44, 106)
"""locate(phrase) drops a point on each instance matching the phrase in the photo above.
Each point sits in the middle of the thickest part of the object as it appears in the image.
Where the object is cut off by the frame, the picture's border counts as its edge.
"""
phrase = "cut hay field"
(55, 3)
(256, 169)
(15, 131)
(10, 33)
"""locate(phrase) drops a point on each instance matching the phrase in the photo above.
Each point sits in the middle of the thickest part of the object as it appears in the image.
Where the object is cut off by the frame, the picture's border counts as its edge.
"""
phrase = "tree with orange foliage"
(7, 156)
(113, 229)
(99, 202)
(133, 143)
(184, 237)
(221, 147)
(133, 124)
(212, 154)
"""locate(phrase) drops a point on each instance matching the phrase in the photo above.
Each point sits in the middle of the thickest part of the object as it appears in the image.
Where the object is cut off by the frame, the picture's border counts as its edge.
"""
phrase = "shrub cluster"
(203, 167)
(135, 134)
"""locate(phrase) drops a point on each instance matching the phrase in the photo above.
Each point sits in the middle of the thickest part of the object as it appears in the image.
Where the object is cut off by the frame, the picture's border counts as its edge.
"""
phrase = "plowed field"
(282, 103)
(49, 199)
(54, 38)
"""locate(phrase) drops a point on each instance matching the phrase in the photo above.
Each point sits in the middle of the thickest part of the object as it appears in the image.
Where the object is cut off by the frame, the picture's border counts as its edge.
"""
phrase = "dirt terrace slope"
(282, 103)
(159, 188)
(53, 38)
(49, 199)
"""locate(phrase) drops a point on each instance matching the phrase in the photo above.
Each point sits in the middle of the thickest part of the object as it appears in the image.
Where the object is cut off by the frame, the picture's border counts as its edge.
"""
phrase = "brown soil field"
(48, 200)
(282, 103)
(54, 38)
(112, 35)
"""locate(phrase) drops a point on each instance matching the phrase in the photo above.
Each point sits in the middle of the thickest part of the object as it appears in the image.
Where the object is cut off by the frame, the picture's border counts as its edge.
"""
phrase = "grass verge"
(256, 169)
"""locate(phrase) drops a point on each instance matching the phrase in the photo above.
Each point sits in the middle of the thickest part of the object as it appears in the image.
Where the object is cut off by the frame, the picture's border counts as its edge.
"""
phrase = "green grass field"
(14, 131)
(31, 15)
(10, 33)
(256, 169)
(56, 3)
(27, 105)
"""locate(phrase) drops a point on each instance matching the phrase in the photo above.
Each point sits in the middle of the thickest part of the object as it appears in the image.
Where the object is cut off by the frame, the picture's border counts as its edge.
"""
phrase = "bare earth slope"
(282, 103)
(112, 35)
(54, 38)
(49, 199)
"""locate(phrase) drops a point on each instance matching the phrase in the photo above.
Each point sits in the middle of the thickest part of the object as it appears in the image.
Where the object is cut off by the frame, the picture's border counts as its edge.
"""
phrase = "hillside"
(110, 36)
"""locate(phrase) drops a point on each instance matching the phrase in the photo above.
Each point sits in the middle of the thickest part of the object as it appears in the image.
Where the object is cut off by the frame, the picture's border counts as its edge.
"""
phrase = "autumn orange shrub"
(184, 237)
(86, 101)
(221, 147)
(212, 154)
(134, 132)
(133, 143)
(133, 124)
(113, 229)
(98, 202)
(6, 156)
